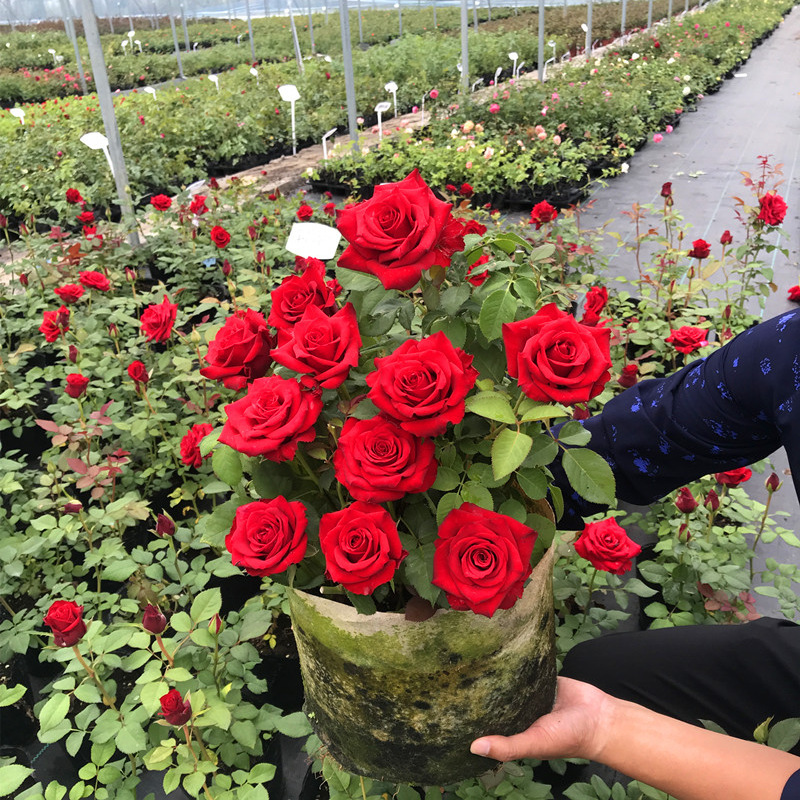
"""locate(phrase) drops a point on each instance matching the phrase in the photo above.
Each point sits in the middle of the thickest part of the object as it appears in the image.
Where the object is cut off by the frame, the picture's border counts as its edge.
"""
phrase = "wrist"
(610, 719)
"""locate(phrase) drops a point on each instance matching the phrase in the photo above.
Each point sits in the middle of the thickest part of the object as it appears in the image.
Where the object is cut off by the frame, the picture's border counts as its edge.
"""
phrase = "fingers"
(509, 748)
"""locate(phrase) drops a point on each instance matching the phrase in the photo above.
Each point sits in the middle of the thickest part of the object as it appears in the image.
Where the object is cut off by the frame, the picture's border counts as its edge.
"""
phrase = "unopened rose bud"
(62, 318)
(73, 508)
(226, 267)
(164, 526)
(726, 238)
(580, 413)
(773, 483)
(684, 534)
(130, 275)
(712, 500)
(261, 257)
(113, 330)
(72, 353)
(153, 620)
(3, 221)
(215, 625)
(23, 279)
(685, 501)
(252, 232)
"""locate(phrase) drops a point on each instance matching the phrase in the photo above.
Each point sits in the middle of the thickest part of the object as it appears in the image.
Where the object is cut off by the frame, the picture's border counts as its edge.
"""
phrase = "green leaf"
(533, 482)
(294, 725)
(544, 411)
(509, 450)
(208, 441)
(498, 308)
(446, 504)
(262, 773)
(542, 252)
(255, 624)
(88, 693)
(635, 586)
(270, 481)
(193, 783)
(10, 695)
(362, 603)
(337, 779)
(491, 405)
(53, 711)
(528, 292)
(120, 570)
(418, 566)
(227, 465)
(590, 475)
(206, 604)
(574, 434)
(447, 479)
(405, 792)
(12, 777)
(656, 610)
(244, 731)
(178, 674)
(453, 298)
(454, 329)
(478, 495)
(131, 738)
(181, 622)
(784, 735)
(356, 281)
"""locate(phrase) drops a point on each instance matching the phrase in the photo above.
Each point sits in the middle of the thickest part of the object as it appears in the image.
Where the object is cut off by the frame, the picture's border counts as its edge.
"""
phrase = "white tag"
(740, 75)
(312, 240)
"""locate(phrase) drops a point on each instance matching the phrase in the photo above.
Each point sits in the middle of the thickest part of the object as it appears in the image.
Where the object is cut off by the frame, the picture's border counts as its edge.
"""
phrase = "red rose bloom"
(606, 545)
(396, 234)
(376, 460)
(542, 213)
(76, 384)
(685, 500)
(86, 217)
(198, 205)
(95, 280)
(666, 189)
(700, 249)
(271, 419)
(190, 444)
(69, 292)
(687, 339)
(161, 202)
(361, 546)
(305, 212)
(595, 302)
(329, 209)
(423, 384)
(322, 346)
(54, 323)
(175, 710)
(733, 477)
(472, 226)
(773, 209)
(74, 197)
(220, 236)
(65, 620)
(267, 536)
(295, 293)
(629, 376)
(553, 357)
(794, 294)
(726, 238)
(240, 352)
(137, 372)
(157, 320)
(482, 559)
(478, 278)
(466, 190)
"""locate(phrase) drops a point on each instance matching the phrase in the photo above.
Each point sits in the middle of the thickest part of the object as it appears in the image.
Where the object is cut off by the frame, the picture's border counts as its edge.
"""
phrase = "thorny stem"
(758, 535)
(109, 701)
(170, 659)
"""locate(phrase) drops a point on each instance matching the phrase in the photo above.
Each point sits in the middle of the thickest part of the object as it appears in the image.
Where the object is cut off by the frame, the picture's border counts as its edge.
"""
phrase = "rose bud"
(23, 279)
(130, 275)
(113, 330)
(137, 372)
(73, 508)
(164, 526)
(629, 376)
(581, 412)
(726, 238)
(226, 267)
(685, 501)
(684, 535)
(175, 710)
(666, 189)
(153, 620)
(252, 232)
(62, 318)
(65, 620)
(76, 385)
(72, 353)
(773, 483)
(712, 500)
(216, 625)
(3, 221)
(726, 314)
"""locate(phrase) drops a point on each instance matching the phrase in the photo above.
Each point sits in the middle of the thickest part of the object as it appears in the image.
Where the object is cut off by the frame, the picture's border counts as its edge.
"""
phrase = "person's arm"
(687, 762)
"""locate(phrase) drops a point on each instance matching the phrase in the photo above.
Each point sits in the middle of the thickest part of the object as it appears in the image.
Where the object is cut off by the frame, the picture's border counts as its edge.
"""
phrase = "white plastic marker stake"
(215, 80)
(19, 113)
(194, 188)
(497, 75)
(254, 73)
(513, 57)
(477, 84)
(138, 44)
(312, 240)
(239, 38)
(380, 108)
(422, 107)
(125, 46)
(49, 50)
(325, 142)
(194, 46)
(519, 67)
(392, 88)
(150, 90)
(97, 141)
(289, 94)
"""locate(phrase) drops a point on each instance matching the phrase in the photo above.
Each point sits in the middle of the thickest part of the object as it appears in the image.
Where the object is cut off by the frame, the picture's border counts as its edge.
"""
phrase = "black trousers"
(734, 675)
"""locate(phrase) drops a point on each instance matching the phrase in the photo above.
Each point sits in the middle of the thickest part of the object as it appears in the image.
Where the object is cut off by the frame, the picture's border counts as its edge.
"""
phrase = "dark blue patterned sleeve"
(734, 407)
(792, 789)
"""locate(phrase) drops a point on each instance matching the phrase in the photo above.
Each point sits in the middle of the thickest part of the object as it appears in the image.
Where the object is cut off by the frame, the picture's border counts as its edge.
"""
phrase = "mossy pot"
(401, 701)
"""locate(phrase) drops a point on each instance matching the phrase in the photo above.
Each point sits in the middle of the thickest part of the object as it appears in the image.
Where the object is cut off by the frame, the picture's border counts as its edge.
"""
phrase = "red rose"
(423, 384)
(220, 236)
(666, 189)
(466, 190)
(76, 384)
(54, 323)
(542, 213)
(712, 500)
(772, 483)
(607, 546)
(687, 339)
(595, 302)
(72, 353)
(240, 352)
(794, 294)
(329, 209)
(305, 212)
(472, 226)
(395, 235)
(322, 346)
(85, 217)
(137, 372)
(685, 500)
(69, 292)
(376, 460)
(74, 197)
(271, 419)
(733, 477)
(629, 376)
(700, 249)
(296, 293)
(553, 357)
(477, 279)
(726, 238)
(773, 209)
(361, 546)
(190, 444)
(482, 559)
(198, 205)
(164, 526)
(157, 320)
(153, 621)
(175, 710)
(65, 619)
(161, 202)
(267, 536)
(95, 280)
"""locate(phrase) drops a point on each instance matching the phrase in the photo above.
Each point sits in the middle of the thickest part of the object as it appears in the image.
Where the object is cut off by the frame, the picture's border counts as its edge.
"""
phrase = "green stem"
(107, 700)
(758, 536)
(589, 599)
(301, 459)
(170, 659)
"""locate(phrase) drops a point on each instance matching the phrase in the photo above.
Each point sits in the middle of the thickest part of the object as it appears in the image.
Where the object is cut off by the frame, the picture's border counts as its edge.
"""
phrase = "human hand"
(573, 729)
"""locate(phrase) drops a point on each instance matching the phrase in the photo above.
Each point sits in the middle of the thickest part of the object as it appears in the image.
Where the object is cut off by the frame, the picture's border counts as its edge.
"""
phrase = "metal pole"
(250, 30)
(266, 8)
(489, 5)
(650, 14)
(541, 41)
(185, 29)
(69, 27)
(349, 79)
(686, 7)
(588, 45)
(669, 11)
(310, 30)
(92, 35)
(297, 54)
(400, 19)
(434, 14)
(464, 46)
(229, 11)
(175, 41)
(360, 26)
(110, 12)
(475, 14)
(624, 15)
